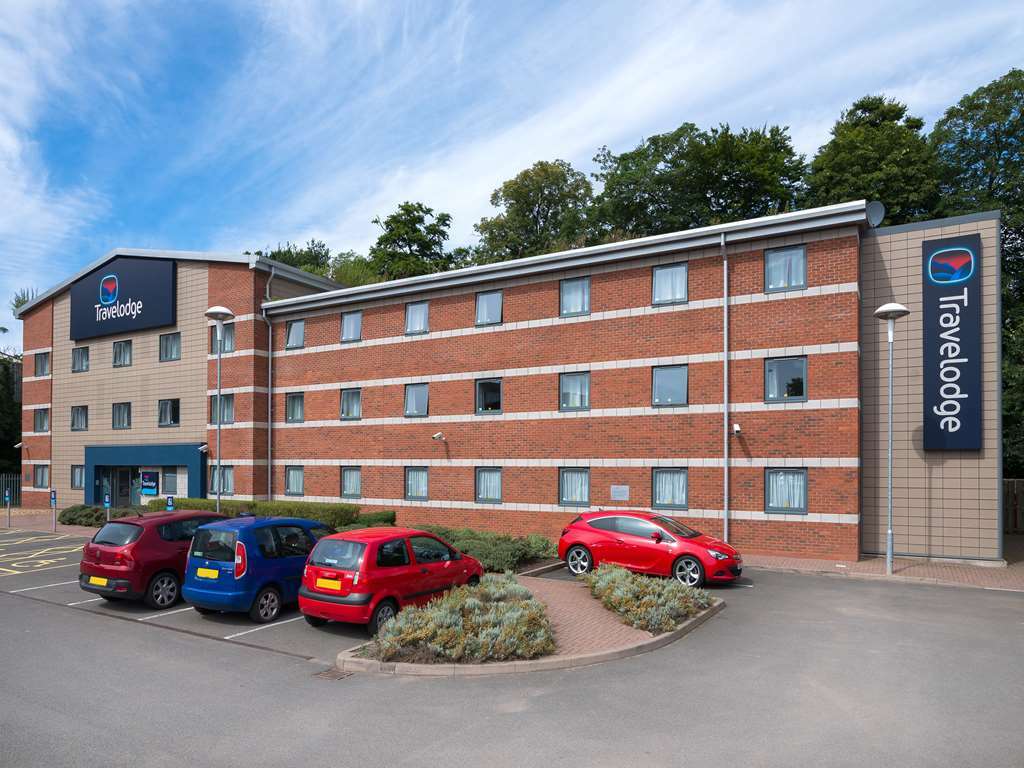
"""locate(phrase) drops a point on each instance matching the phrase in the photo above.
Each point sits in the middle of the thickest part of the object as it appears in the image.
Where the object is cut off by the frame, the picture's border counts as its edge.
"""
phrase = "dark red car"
(365, 576)
(647, 543)
(141, 558)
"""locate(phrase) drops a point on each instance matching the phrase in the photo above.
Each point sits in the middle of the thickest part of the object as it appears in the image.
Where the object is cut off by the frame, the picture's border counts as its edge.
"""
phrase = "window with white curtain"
(351, 326)
(41, 420)
(122, 354)
(574, 486)
(79, 418)
(669, 284)
(121, 417)
(668, 384)
(785, 490)
(416, 399)
(79, 359)
(574, 392)
(227, 480)
(670, 486)
(78, 476)
(42, 364)
(295, 334)
(294, 407)
(488, 308)
(785, 269)
(170, 481)
(351, 482)
(488, 484)
(416, 483)
(228, 339)
(227, 409)
(417, 317)
(41, 476)
(785, 379)
(170, 347)
(169, 413)
(351, 403)
(574, 297)
(293, 480)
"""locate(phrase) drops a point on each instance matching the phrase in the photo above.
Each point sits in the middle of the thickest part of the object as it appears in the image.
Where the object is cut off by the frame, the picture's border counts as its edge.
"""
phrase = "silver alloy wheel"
(385, 614)
(578, 561)
(268, 605)
(688, 572)
(164, 591)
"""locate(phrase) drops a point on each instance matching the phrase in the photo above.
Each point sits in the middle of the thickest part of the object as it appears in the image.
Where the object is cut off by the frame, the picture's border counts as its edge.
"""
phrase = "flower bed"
(646, 602)
(496, 620)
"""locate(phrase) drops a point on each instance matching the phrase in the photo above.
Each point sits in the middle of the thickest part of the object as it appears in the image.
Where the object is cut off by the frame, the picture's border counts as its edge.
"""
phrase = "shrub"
(495, 620)
(496, 551)
(646, 602)
(376, 519)
(86, 514)
(334, 515)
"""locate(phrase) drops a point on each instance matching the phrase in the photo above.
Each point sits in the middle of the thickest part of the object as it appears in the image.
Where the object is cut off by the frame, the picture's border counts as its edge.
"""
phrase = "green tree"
(691, 177)
(877, 152)
(411, 243)
(313, 257)
(980, 146)
(10, 414)
(22, 297)
(351, 269)
(543, 209)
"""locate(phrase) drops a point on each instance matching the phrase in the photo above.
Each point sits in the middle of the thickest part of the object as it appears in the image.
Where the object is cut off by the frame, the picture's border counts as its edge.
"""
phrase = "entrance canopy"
(173, 454)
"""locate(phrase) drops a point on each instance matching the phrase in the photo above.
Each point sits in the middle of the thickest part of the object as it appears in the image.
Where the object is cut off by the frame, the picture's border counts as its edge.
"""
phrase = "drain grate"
(332, 674)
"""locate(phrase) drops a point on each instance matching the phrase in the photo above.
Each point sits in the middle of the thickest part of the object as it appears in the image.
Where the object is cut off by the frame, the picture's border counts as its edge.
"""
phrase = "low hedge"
(334, 515)
(646, 602)
(86, 514)
(496, 620)
(496, 551)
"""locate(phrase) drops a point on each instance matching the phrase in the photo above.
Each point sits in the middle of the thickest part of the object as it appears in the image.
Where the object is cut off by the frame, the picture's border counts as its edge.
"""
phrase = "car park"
(366, 576)
(141, 558)
(647, 543)
(249, 564)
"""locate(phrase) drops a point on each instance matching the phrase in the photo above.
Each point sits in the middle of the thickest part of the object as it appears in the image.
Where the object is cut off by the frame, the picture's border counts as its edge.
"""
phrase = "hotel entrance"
(124, 484)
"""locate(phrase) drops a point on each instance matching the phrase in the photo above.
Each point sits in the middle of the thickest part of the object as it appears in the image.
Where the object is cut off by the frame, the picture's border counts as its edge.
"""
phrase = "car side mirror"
(657, 536)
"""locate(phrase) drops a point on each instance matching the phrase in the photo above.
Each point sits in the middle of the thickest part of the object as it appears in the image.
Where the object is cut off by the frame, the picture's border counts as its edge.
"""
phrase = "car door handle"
(619, 541)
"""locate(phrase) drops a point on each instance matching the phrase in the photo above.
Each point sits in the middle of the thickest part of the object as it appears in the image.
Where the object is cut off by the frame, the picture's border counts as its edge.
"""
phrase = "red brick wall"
(37, 333)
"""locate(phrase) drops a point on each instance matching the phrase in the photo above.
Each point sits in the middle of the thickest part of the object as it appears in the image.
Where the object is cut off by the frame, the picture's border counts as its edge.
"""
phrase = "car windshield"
(214, 544)
(117, 534)
(339, 554)
(675, 527)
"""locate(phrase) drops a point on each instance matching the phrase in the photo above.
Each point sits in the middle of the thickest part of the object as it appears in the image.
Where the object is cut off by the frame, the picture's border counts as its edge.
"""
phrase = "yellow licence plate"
(207, 573)
(99, 581)
(328, 584)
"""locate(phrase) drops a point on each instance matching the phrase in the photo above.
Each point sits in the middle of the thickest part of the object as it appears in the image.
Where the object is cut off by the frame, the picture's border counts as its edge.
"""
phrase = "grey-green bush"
(86, 514)
(334, 515)
(646, 602)
(497, 552)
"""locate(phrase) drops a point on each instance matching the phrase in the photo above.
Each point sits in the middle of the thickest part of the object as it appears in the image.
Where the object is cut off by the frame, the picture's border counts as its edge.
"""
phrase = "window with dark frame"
(669, 284)
(227, 412)
(295, 407)
(79, 359)
(79, 418)
(169, 413)
(351, 482)
(785, 490)
(574, 297)
(488, 485)
(352, 325)
(351, 404)
(488, 396)
(41, 420)
(785, 269)
(488, 308)
(121, 416)
(42, 364)
(669, 385)
(229, 338)
(122, 354)
(417, 317)
(416, 483)
(77, 476)
(669, 488)
(574, 391)
(41, 476)
(417, 399)
(170, 347)
(574, 486)
(785, 379)
(227, 476)
(295, 334)
(294, 480)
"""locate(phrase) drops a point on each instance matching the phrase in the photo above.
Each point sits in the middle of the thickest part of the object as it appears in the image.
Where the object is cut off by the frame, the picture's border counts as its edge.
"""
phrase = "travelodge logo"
(950, 266)
(108, 290)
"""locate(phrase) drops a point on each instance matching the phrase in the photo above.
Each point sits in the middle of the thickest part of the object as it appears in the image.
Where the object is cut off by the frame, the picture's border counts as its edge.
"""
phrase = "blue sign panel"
(951, 294)
(126, 294)
(150, 483)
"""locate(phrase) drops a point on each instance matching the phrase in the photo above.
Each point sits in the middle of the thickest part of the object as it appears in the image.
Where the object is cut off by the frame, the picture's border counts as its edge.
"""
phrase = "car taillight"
(241, 562)
(123, 558)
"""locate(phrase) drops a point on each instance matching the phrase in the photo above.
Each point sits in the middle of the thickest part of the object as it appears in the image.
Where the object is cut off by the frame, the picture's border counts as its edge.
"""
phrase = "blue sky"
(235, 125)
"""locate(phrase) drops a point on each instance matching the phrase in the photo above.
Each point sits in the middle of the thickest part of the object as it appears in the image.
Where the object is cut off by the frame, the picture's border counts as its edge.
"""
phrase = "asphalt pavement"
(797, 670)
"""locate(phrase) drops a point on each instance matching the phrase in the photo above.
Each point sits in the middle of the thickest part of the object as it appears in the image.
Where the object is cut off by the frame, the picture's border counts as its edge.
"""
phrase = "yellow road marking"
(9, 572)
(66, 550)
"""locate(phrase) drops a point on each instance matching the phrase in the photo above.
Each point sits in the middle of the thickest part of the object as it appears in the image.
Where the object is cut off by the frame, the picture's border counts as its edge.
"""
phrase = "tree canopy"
(412, 242)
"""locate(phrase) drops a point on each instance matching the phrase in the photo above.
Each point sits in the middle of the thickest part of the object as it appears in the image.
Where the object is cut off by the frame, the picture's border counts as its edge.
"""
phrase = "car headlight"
(718, 555)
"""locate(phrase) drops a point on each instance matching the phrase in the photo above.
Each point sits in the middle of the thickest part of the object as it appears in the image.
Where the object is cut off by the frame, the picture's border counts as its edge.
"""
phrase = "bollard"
(53, 504)
(106, 504)
(7, 501)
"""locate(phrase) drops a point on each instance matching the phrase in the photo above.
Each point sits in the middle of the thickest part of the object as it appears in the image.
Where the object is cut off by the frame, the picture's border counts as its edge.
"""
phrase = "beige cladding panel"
(945, 504)
(143, 384)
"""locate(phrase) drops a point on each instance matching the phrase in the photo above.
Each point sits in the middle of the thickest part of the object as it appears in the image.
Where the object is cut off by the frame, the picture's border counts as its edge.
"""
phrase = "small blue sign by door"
(53, 499)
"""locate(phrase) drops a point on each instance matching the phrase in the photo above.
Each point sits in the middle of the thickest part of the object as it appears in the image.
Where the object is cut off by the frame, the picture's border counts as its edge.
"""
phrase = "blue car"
(249, 564)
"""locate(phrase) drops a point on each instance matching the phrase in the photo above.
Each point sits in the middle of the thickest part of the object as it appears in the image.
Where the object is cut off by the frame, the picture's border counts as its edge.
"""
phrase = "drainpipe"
(270, 392)
(725, 390)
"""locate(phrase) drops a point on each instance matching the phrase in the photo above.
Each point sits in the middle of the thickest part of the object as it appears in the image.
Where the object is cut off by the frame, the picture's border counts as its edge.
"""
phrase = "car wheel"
(204, 611)
(266, 607)
(689, 571)
(385, 611)
(163, 591)
(314, 621)
(473, 580)
(579, 560)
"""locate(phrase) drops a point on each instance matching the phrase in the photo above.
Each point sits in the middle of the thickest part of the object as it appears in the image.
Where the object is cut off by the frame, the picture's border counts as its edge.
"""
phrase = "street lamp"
(890, 313)
(219, 315)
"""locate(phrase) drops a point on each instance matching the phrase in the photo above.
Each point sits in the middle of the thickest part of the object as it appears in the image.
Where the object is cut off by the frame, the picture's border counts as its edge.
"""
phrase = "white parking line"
(163, 613)
(43, 586)
(265, 626)
(83, 602)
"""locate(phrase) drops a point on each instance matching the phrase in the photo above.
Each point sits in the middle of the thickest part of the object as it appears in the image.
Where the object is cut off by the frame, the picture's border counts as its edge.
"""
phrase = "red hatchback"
(647, 543)
(365, 576)
(141, 558)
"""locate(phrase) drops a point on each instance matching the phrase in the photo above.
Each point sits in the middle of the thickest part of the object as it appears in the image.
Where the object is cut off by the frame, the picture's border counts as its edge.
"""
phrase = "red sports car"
(647, 543)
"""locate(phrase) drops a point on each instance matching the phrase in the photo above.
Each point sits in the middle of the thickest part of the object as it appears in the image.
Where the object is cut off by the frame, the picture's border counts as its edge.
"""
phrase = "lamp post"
(890, 313)
(219, 315)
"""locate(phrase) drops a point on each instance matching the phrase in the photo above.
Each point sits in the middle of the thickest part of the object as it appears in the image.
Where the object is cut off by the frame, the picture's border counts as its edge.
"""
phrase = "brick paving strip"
(585, 633)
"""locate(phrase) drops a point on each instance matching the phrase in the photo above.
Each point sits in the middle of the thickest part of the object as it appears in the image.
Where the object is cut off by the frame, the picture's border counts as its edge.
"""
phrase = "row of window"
(785, 489)
(785, 270)
(169, 351)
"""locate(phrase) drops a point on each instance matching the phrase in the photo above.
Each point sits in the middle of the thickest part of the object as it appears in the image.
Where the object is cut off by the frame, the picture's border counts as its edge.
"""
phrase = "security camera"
(204, 448)
(735, 429)
(437, 436)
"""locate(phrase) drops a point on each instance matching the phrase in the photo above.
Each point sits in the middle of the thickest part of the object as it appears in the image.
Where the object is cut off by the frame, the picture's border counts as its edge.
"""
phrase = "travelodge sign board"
(125, 295)
(951, 294)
